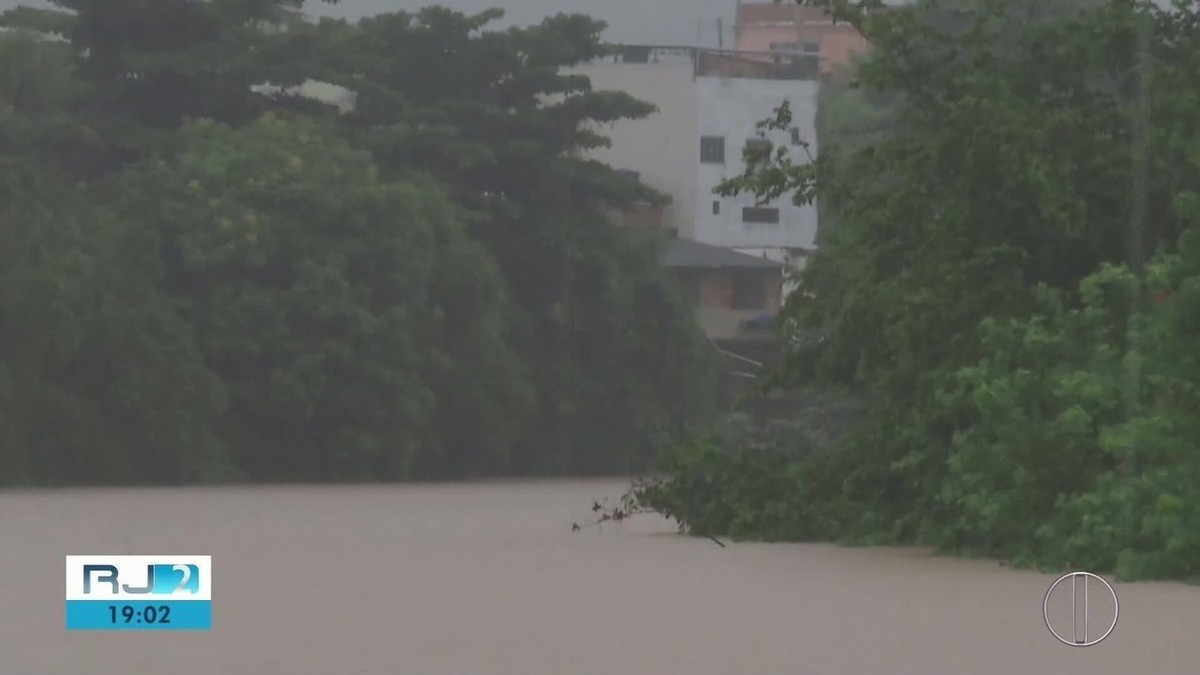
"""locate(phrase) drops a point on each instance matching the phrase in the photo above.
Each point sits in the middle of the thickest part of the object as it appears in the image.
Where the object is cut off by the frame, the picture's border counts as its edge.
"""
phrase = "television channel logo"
(139, 592)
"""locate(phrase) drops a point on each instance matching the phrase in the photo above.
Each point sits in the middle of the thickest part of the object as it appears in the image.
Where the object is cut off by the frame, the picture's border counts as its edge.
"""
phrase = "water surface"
(481, 579)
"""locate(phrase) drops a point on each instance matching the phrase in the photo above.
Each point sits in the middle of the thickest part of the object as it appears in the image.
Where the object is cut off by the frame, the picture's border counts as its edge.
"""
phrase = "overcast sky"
(669, 22)
(641, 21)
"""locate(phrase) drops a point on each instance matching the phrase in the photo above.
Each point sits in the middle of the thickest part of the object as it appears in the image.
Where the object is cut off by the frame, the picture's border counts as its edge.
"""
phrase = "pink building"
(786, 26)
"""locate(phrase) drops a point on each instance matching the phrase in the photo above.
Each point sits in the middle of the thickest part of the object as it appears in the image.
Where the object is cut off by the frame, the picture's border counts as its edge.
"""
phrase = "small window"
(795, 135)
(749, 291)
(760, 214)
(716, 207)
(712, 149)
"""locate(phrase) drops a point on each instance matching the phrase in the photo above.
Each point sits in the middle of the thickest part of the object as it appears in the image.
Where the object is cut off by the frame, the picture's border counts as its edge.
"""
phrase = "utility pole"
(720, 34)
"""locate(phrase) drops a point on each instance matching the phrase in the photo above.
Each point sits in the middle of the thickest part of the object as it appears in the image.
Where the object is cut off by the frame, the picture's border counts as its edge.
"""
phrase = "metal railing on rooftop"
(709, 62)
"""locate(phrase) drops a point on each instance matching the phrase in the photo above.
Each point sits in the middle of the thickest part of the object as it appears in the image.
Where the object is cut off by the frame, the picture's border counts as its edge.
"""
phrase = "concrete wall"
(663, 147)
(731, 108)
(839, 44)
(796, 262)
(759, 38)
(713, 288)
(713, 298)
(759, 24)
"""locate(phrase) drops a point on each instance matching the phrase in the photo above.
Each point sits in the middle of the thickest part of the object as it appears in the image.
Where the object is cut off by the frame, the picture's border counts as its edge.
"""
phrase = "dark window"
(811, 47)
(630, 174)
(758, 147)
(795, 135)
(749, 291)
(712, 149)
(716, 207)
(760, 214)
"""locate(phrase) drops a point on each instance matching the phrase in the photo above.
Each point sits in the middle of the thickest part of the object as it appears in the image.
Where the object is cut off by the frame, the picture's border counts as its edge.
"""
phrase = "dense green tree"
(322, 295)
(105, 383)
(495, 116)
(152, 65)
(100, 379)
(244, 283)
(986, 290)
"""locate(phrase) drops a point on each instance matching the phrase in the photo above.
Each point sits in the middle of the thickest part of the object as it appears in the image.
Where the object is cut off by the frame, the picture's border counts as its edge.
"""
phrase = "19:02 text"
(149, 614)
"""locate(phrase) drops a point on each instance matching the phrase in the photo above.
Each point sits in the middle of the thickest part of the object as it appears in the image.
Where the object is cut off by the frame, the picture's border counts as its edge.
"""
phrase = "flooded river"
(486, 579)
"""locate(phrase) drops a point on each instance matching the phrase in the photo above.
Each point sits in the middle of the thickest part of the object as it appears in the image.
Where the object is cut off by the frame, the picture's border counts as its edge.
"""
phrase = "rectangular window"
(760, 214)
(749, 291)
(795, 135)
(712, 149)
(758, 147)
(716, 207)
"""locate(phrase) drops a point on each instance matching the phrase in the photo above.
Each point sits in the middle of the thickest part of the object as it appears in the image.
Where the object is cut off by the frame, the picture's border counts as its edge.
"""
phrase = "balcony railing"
(708, 62)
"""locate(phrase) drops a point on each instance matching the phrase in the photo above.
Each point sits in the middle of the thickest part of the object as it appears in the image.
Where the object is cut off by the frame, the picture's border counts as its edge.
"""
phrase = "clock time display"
(150, 614)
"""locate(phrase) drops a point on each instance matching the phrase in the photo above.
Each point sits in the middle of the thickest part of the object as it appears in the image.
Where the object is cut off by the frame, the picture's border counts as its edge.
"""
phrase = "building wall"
(643, 216)
(715, 289)
(760, 24)
(660, 147)
(731, 108)
(795, 261)
(714, 304)
(759, 38)
(838, 44)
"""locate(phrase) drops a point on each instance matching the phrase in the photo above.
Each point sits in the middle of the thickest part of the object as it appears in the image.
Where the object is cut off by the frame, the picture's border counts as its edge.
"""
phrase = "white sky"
(671, 22)
(643, 21)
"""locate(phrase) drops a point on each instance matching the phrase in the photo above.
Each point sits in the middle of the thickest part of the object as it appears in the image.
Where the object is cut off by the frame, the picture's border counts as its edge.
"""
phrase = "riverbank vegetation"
(205, 279)
(1011, 284)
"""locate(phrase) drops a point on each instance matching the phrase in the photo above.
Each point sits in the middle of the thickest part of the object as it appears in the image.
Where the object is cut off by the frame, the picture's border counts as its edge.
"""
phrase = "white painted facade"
(662, 147)
(665, 148)
(730, 108)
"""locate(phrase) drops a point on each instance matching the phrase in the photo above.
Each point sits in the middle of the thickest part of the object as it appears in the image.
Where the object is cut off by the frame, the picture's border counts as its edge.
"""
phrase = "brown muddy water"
(482, 579)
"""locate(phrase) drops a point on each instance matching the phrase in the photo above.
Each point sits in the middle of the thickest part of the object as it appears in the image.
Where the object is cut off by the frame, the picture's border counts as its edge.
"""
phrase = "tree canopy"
(211, 280)
(1009, 286)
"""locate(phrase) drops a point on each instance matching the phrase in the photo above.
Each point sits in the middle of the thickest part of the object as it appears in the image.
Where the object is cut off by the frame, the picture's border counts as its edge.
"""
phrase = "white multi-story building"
(709, 105)
(728, 111)
(661, 147)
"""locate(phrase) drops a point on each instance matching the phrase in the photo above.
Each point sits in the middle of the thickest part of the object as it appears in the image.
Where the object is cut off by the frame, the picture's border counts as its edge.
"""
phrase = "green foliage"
(103, 380)
(210, 281)
(616, 365)
(308, 282)
(1010, 282)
